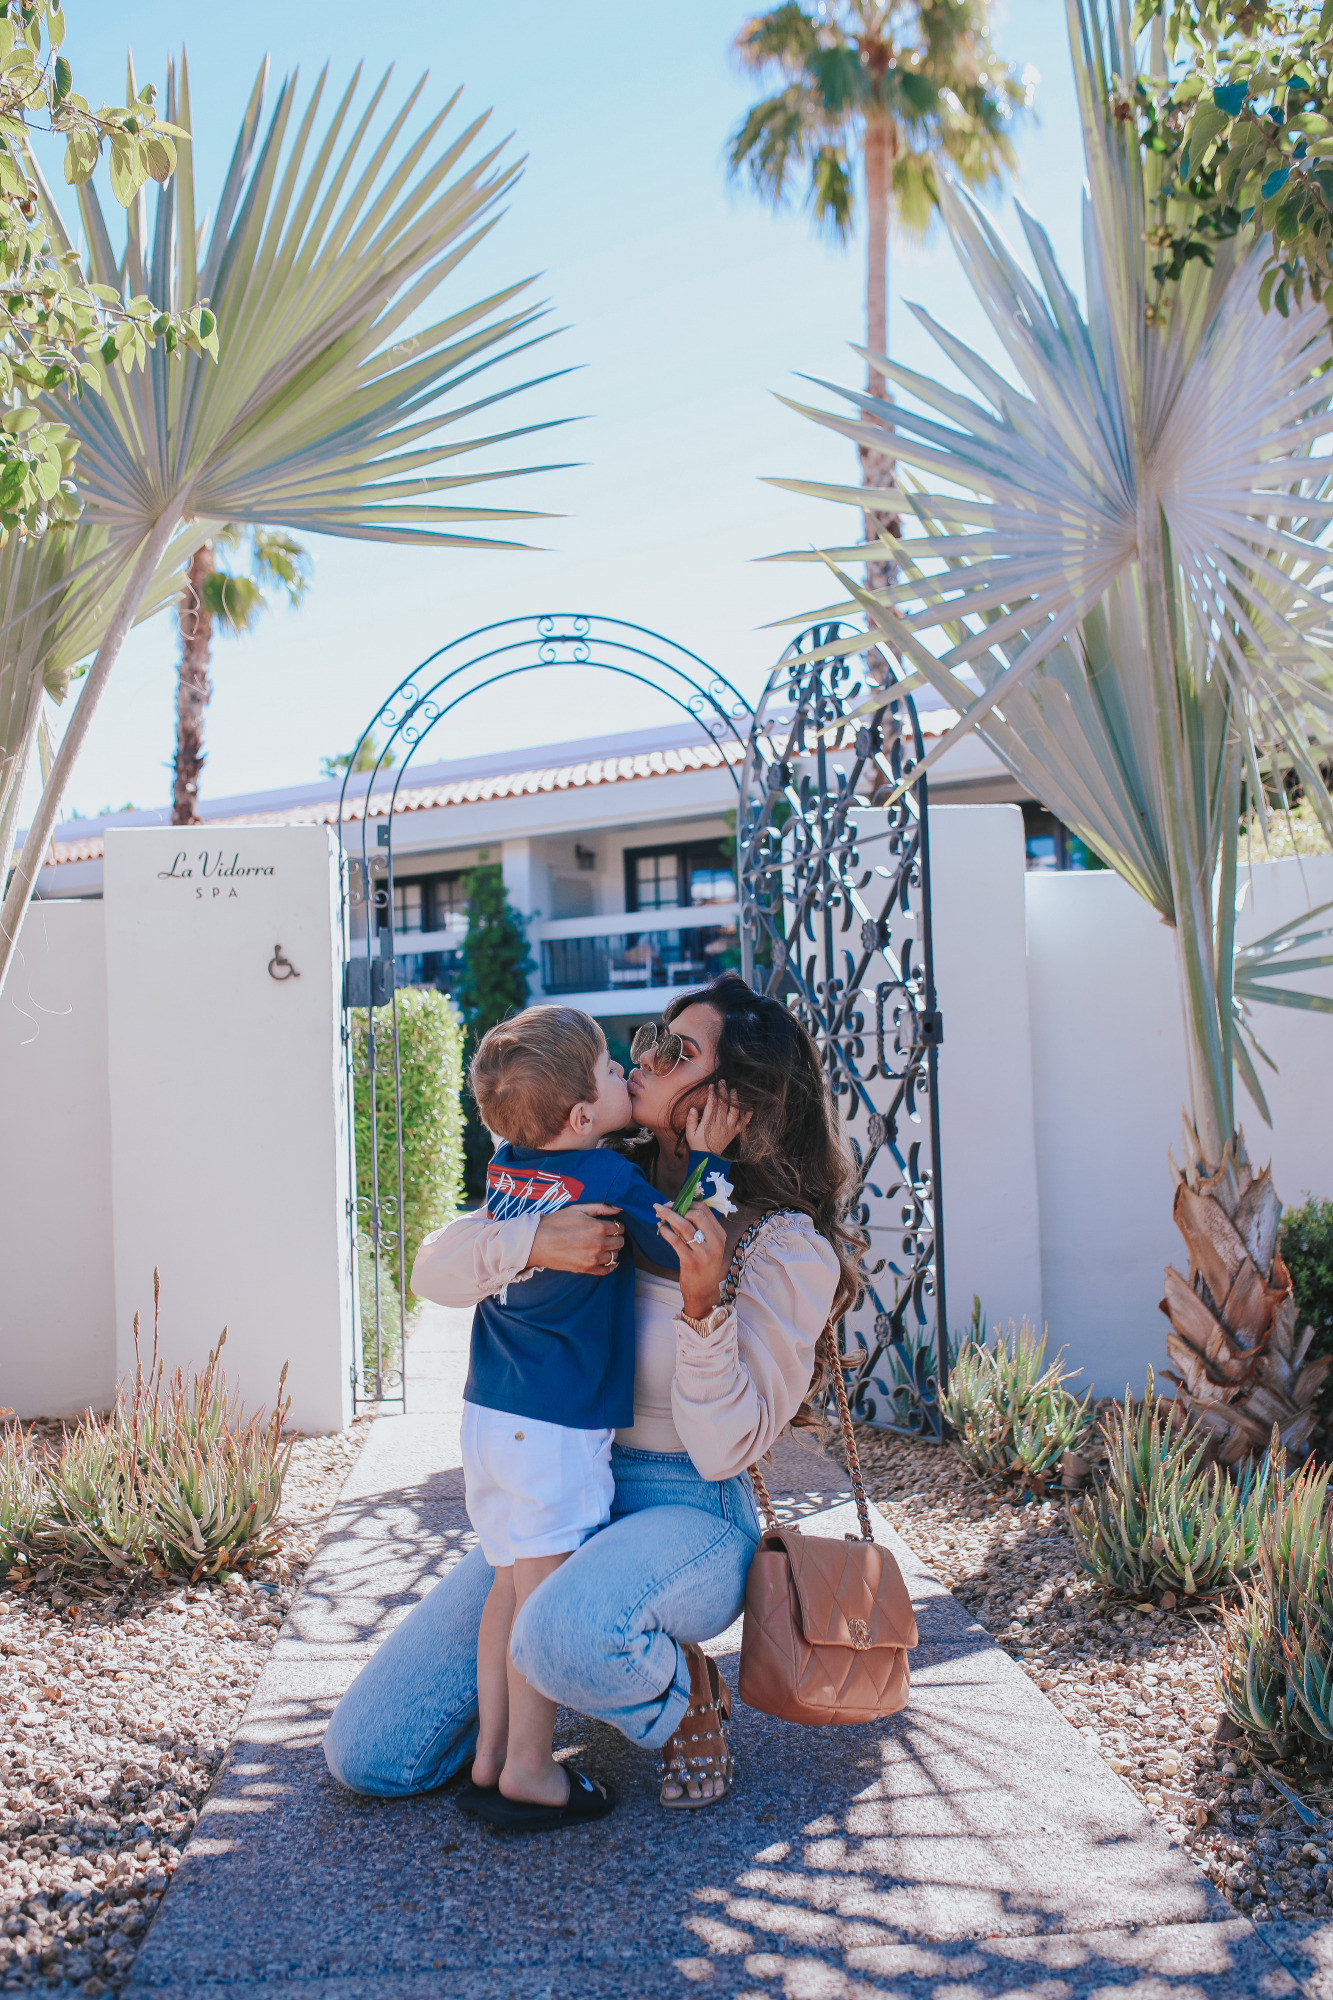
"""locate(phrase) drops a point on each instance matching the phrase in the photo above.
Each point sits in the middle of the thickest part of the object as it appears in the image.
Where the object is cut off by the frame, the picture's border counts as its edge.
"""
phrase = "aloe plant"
(175, 1480)
(97, 1519)
(1274, 1672)
(1164, 1518)
(1011, 1413)
(23, 1500)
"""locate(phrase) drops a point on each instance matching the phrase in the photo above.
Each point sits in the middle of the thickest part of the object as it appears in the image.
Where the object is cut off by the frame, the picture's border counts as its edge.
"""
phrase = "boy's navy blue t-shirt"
(557, 1346)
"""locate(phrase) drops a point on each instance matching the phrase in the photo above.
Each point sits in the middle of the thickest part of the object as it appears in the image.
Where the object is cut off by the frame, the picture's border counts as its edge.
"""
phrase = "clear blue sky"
(686, 304)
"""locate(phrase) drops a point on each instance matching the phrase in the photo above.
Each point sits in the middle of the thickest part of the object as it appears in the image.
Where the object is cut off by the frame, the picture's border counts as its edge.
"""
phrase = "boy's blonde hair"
(530, 1072)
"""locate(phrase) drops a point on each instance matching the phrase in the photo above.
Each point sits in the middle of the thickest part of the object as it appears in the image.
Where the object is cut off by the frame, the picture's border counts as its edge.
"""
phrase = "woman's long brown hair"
(792, 1153)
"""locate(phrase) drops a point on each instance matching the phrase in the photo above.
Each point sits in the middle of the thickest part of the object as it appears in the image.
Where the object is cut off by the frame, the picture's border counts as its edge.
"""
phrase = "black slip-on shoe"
(589, 1798)
(469, 1795)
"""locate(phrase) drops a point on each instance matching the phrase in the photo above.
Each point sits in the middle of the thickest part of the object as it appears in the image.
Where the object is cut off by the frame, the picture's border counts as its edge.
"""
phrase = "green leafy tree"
(1121, 584)
(496, 964)
(320, 416)
(1307, 1252)
(1238, 107)
(367, 759)
(231, 599)
(59, 335)
(871, 100)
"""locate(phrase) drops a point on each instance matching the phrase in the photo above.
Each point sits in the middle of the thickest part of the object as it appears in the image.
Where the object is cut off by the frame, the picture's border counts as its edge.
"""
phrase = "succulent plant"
(176, 1480)
(1164, 1518)
(1011, 1413)
(22, 1500)
(96, 1517)
(1275, 1656)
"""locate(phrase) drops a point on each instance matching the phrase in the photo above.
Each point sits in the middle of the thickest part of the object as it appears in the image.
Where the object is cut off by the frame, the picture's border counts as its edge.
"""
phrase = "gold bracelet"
(708, 1324)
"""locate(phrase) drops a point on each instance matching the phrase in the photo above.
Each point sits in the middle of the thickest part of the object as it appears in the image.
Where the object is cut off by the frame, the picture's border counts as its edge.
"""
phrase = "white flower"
(720, 1199)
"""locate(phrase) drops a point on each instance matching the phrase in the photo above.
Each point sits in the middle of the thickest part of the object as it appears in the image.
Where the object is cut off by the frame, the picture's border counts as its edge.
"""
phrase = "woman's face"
(654, 1092)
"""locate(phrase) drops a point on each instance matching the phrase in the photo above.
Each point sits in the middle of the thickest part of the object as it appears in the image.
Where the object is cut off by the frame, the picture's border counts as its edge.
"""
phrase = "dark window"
(409, 906)
(1050, 844)
(691, 874)
(654, 879)
(429, 903)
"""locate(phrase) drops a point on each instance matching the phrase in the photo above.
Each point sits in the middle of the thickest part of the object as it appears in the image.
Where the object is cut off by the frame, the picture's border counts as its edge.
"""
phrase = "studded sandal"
(698, 1750)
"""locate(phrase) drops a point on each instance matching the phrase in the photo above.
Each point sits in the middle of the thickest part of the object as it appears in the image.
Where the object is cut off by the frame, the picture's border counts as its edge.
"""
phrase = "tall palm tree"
(232, 599)
(322, 415)
(893, 90)
(1121, 582)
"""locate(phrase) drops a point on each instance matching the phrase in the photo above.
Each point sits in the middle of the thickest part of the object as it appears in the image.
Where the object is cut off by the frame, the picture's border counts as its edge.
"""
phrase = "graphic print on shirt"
(512, 1191)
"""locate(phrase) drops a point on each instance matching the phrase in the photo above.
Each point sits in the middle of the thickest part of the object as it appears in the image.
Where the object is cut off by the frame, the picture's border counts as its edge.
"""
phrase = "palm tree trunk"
(19, 738)
(1233, 1332)
(877, 468)
(19, 891)
(193, 688)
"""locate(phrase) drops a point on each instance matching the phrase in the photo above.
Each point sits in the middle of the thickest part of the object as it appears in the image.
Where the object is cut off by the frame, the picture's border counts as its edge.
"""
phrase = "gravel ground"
(1138, 1686)
(115, 1713)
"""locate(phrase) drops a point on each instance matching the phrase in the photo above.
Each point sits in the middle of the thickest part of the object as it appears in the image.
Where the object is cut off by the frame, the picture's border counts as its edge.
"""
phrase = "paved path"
(972, 1848)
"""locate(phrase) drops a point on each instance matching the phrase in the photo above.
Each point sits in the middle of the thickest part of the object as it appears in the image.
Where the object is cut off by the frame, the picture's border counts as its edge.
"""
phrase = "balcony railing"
(664, 949)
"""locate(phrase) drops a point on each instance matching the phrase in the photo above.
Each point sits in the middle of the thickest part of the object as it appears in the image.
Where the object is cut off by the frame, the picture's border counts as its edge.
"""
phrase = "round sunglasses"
(667, 1049)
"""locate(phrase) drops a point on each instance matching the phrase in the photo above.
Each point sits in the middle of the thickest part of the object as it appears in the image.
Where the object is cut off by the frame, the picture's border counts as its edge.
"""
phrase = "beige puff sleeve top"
(725, 1398)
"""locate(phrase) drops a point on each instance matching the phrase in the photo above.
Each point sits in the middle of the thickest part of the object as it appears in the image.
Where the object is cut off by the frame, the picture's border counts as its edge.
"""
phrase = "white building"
(588, 834)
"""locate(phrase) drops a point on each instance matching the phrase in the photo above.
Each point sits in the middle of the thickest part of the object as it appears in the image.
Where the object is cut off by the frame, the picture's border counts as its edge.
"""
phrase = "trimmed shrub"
(176, 1481)
(1012, 1416)
(430, 1073)
(1164, 1519)
(391, 1309)
(1306, 1243)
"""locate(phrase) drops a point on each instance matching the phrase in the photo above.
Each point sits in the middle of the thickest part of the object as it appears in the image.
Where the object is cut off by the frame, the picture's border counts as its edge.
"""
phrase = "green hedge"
(430, 1045)
(1307, 1251)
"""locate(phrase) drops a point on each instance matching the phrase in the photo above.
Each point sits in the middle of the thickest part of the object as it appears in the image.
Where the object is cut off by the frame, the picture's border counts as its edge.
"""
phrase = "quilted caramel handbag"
(828, 1623)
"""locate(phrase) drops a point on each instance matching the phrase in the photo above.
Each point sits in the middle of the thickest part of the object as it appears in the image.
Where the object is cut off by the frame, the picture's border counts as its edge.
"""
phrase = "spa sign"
(213, 876)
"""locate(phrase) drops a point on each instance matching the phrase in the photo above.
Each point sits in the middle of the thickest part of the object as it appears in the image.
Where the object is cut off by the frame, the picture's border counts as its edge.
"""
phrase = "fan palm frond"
(331, 409)
(1121, 572)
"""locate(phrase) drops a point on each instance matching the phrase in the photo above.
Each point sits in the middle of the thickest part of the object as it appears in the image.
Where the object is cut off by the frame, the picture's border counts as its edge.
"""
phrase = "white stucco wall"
(228, 1136)
(57, 1293)
(987, 1134)
(1109, 1089)
(209, 1098)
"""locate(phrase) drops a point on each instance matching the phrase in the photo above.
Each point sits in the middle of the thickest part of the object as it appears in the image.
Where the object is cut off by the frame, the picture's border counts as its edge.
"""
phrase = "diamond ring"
(698, 1236)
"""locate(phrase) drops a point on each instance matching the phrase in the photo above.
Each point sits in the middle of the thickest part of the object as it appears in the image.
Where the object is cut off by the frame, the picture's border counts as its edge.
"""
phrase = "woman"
(616, 1631)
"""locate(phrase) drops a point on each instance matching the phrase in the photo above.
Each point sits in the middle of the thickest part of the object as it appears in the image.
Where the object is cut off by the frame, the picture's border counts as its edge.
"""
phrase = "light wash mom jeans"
(603, 1634)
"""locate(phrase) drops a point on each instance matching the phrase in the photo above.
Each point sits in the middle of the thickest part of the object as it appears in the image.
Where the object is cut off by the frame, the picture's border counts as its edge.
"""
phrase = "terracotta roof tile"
(474, 791)
(464, 791)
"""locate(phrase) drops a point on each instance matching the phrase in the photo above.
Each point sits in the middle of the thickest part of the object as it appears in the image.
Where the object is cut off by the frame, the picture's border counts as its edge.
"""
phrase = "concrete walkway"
(971, 1847)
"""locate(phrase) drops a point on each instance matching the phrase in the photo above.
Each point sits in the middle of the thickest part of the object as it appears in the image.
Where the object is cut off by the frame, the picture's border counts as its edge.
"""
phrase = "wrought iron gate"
(804, 812)
(836, 915)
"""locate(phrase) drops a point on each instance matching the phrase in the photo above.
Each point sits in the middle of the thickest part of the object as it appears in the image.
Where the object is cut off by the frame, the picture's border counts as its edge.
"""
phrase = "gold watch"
(708, 1324)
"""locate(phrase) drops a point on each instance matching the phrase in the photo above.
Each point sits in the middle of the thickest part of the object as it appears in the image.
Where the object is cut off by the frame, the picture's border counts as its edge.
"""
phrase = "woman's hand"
(711, 1127)
(588, 1240)
(703, 1264)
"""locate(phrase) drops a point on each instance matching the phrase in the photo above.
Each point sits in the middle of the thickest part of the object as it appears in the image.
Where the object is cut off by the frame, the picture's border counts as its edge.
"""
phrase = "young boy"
(551, 1377)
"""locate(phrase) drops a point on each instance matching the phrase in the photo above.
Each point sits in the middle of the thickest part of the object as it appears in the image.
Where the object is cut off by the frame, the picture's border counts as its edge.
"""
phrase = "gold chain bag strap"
(828, 1622)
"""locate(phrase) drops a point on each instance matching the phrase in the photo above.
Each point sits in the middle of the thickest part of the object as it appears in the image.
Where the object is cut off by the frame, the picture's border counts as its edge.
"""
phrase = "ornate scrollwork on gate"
(835, 898)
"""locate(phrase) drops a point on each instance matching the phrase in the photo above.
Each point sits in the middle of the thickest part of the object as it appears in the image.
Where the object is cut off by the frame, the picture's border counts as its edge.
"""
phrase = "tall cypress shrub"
(496, 964)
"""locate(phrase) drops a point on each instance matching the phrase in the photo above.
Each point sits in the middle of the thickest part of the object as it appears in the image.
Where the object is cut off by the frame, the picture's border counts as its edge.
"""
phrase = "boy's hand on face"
(711, 1126)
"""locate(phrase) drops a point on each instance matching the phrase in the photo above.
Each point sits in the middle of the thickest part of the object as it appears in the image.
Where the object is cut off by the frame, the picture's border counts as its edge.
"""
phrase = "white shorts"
(533, 1489)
